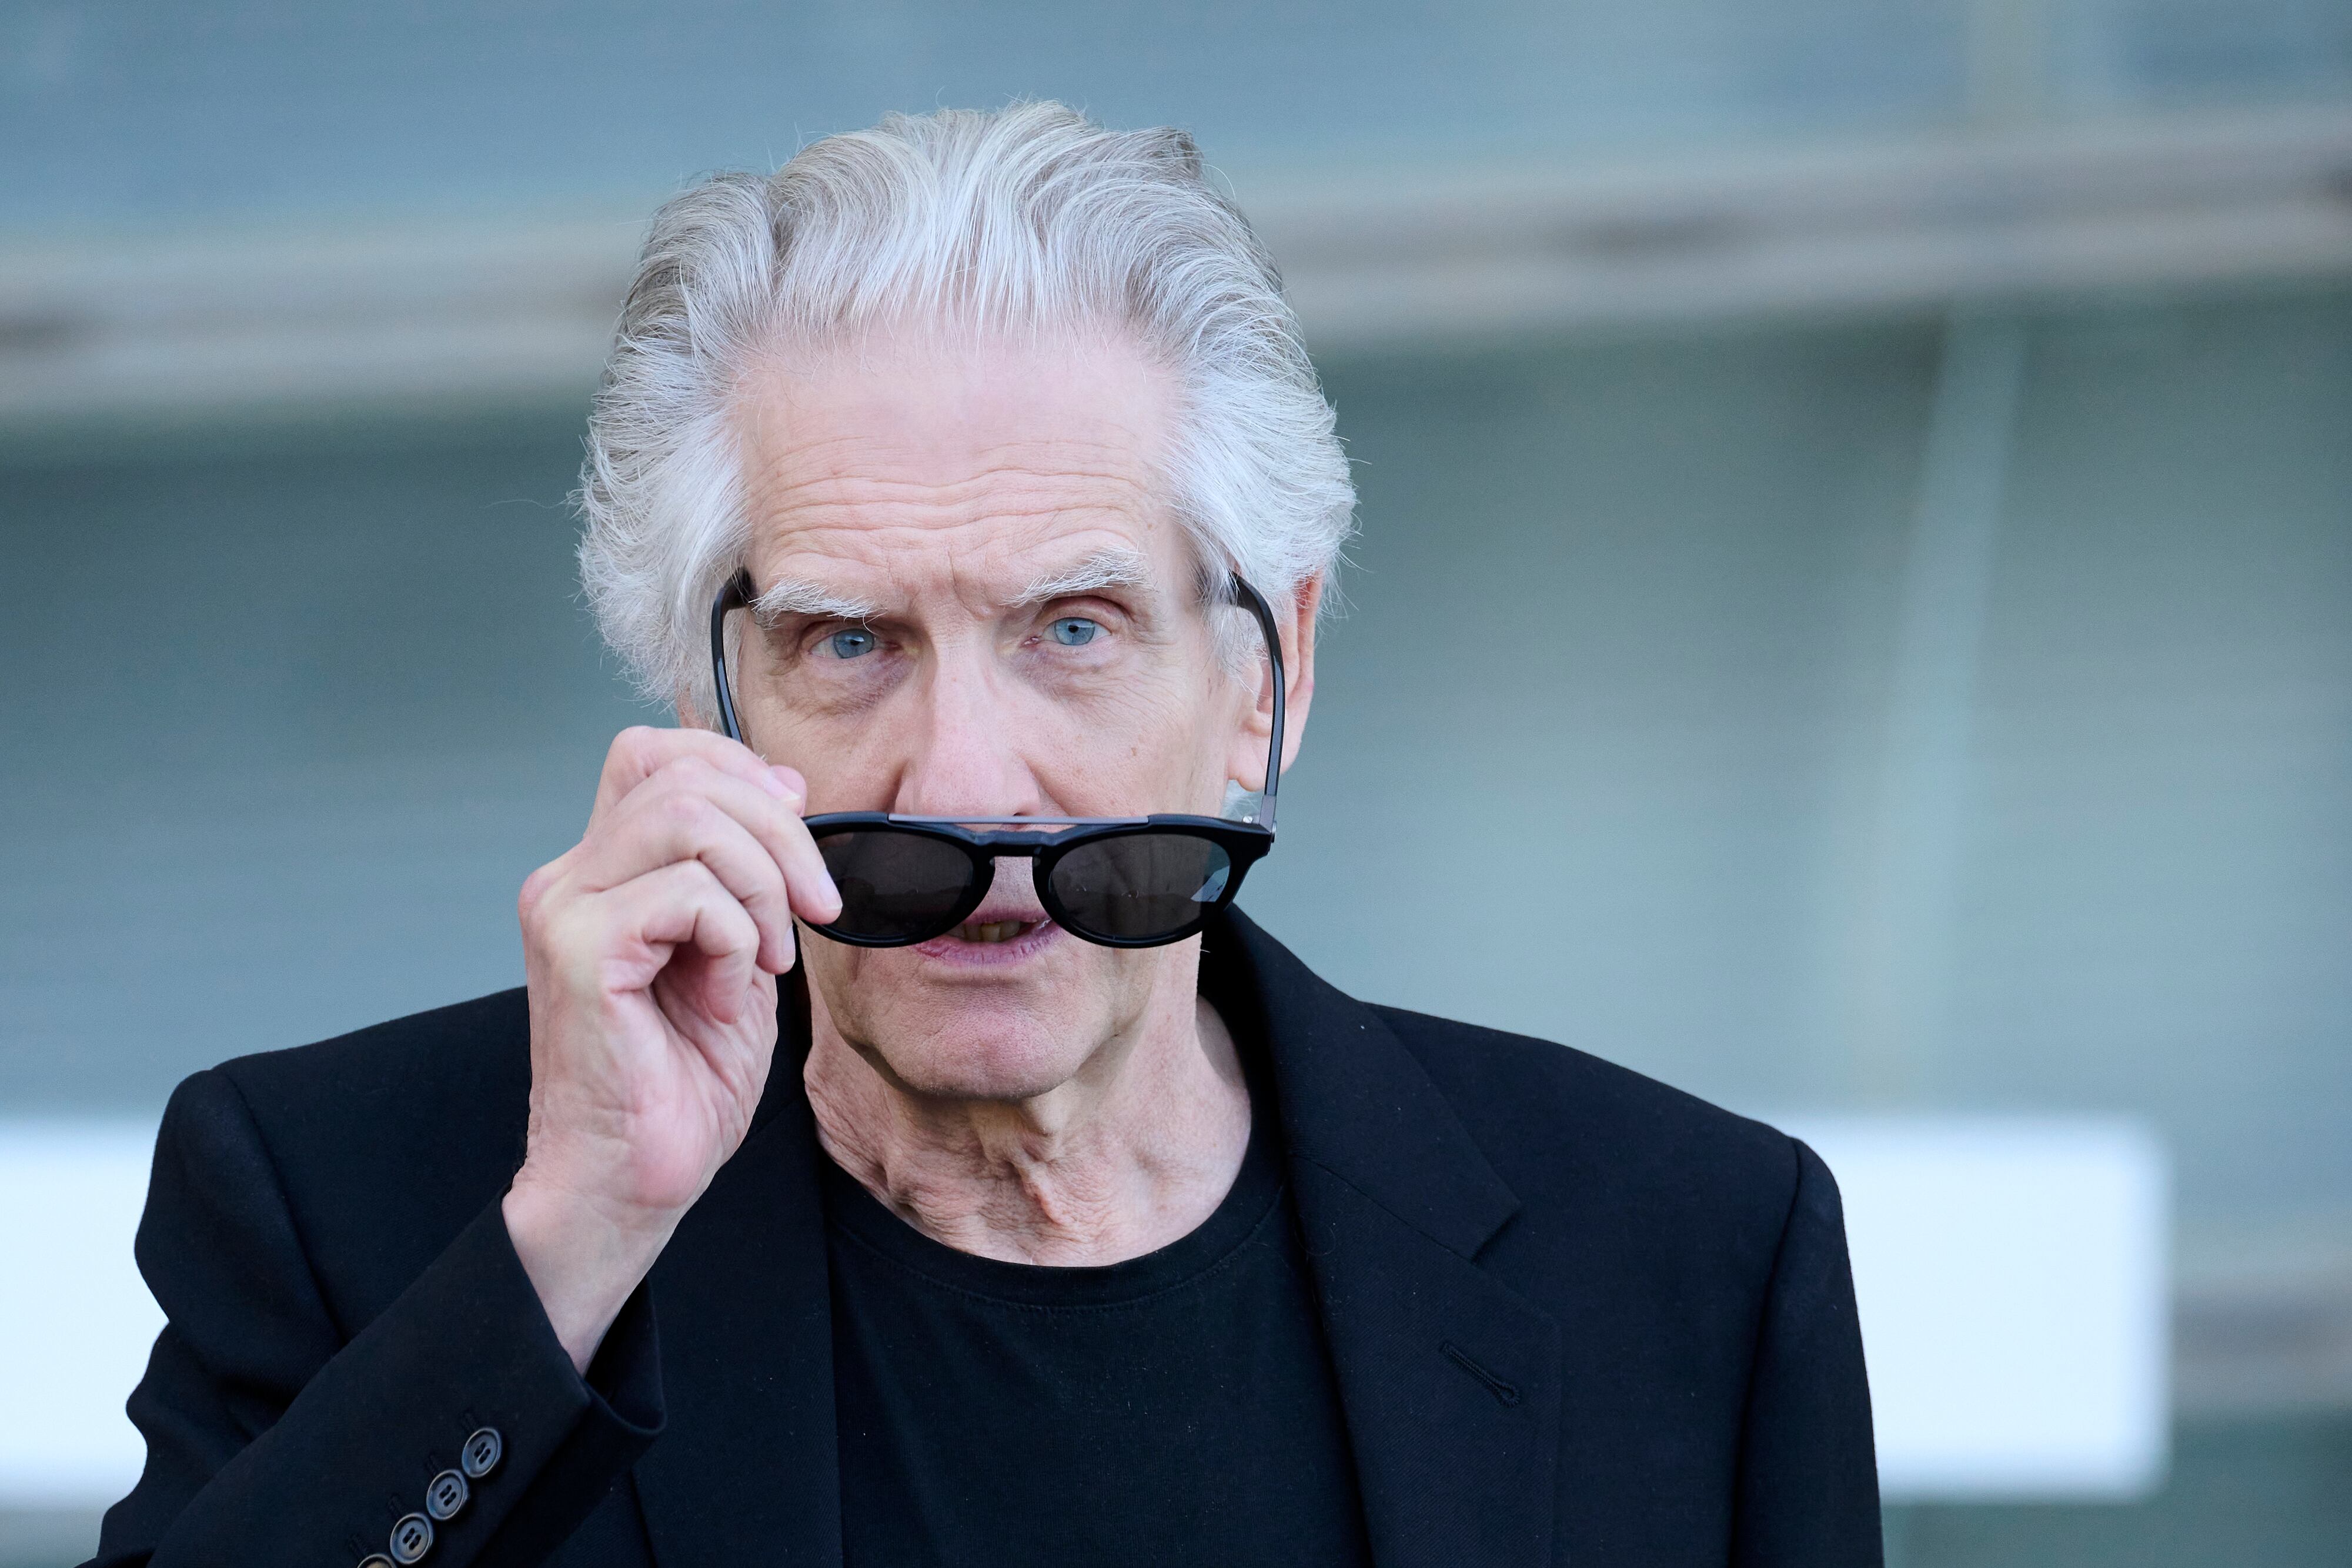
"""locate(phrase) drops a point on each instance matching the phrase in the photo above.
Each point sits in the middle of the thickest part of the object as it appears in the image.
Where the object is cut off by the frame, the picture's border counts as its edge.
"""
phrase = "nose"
(966, 757)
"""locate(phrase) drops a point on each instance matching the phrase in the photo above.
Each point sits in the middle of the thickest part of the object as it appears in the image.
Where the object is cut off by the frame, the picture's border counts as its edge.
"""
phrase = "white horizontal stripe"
(75, 1317)
(260, 321)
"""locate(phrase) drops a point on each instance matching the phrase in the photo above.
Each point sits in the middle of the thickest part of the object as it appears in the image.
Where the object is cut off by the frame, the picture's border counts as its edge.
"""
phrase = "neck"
(1131, 1154)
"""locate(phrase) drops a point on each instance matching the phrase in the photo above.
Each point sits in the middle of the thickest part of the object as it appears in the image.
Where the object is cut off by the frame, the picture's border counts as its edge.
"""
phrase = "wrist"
(583, 1256)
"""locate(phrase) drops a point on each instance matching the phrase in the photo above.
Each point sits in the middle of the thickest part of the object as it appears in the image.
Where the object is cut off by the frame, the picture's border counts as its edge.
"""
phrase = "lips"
(1002, 917)
(989, 932)
(1009, 939)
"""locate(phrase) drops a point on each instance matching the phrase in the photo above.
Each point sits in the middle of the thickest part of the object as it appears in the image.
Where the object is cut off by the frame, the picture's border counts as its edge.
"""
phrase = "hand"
(651, 949)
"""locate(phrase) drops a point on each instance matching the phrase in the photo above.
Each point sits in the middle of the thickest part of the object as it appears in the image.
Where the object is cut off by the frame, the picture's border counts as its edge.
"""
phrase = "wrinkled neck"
(1130, 1154)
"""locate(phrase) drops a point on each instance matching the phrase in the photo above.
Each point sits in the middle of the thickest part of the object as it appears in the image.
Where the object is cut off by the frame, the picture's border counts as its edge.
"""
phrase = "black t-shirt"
(1175, 1409)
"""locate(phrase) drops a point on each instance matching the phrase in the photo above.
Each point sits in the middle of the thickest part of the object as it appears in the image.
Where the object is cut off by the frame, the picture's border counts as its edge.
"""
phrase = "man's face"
(992, 614)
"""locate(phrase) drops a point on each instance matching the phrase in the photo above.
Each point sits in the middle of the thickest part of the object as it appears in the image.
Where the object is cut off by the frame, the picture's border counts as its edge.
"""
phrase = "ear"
(1294, 620)
(692, 712)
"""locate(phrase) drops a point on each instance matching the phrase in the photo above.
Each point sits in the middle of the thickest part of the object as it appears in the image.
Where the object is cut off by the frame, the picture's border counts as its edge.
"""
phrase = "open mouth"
(991, 931)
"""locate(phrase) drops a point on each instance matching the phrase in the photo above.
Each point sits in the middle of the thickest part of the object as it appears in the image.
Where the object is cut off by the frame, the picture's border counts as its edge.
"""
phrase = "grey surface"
(287, 729)
(1576, 762)
(1593, 757)
(1614, 694)
(2159, 910)
(2254, 1494)
(293, 108)
(284, 734)
(139, 111)
(47, 1538)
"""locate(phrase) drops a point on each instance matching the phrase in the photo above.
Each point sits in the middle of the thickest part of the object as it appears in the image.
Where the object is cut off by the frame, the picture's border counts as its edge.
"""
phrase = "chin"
(944, 1037)
(1006, 1065)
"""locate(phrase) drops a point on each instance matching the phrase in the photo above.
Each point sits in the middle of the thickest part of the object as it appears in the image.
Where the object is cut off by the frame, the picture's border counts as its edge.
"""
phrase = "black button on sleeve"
(482, 1453)
(444, 1494)
(412, 1538)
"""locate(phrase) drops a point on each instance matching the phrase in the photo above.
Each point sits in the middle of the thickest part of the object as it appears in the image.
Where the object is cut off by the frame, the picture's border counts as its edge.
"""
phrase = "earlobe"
(1245, 762)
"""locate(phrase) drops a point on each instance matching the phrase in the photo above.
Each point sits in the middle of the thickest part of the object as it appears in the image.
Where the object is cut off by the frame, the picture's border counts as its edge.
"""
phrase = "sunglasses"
(1117, 882)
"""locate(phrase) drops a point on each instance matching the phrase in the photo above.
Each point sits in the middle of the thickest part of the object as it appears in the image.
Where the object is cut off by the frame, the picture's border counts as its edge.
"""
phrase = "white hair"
(1029, 217)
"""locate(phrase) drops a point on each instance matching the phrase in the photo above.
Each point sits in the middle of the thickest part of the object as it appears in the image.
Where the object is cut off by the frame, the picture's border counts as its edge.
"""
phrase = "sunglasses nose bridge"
(1023, 869)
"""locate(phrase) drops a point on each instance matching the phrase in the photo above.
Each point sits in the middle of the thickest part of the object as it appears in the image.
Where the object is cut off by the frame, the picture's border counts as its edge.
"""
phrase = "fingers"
(808, 880)
(685, 906)
(641, 755)
(751, 836)
(658, 828)
(641, 751)
(672, 802)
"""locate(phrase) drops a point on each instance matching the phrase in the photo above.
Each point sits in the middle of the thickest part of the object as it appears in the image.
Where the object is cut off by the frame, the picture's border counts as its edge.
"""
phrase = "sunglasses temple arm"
(1249, 598)
(733, 595)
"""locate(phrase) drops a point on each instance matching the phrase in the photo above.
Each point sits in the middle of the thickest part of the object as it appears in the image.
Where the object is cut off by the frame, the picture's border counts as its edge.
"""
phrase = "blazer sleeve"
(277, 1435)
(1808, 1488)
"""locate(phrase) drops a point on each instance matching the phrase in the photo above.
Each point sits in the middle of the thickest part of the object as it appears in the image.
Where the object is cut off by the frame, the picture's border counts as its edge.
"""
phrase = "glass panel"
(894, 884)
(1140, 884)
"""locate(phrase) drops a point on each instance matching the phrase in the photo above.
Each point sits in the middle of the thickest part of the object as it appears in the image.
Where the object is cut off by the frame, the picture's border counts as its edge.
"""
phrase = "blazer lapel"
(1450, 1382)
(747, 1472)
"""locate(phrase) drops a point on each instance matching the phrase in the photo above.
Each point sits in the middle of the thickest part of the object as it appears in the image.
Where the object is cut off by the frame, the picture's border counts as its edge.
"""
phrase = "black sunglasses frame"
(982, 839)
(1243, 844)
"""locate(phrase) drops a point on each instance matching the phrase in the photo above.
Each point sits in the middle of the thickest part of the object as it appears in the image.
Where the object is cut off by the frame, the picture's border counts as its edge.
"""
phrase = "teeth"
(990, 930)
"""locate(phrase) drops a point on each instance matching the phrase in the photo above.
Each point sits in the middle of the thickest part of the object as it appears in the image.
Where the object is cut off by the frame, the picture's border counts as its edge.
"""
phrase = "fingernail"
(774, 785)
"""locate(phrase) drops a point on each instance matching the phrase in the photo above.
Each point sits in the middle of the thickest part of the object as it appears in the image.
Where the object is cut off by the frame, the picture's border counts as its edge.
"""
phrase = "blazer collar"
(1353, 1099)
(1450, 1381)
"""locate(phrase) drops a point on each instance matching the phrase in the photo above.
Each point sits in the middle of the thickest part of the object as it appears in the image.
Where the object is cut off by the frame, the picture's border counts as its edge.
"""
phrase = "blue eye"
(851, 642)
(1074, 631)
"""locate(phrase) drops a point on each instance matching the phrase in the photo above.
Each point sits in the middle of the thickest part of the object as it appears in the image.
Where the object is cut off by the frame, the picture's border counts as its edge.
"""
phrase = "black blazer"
(1577, 1317)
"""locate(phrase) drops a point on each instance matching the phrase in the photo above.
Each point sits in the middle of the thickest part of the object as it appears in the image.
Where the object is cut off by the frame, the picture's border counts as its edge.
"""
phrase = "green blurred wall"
(290, 721)
(290, 715)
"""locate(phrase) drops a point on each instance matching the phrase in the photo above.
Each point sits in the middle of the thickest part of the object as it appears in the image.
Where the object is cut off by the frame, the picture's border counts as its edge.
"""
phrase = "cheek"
(851, 762)
(1144, 749)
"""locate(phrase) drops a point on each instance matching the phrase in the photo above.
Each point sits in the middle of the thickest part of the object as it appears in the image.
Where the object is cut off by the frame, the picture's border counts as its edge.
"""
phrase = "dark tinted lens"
(894, 884)
(1140, 885)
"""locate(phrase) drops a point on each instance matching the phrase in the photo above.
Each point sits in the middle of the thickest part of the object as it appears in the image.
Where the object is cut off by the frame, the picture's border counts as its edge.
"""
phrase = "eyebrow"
(793, 597)
(1112, 567)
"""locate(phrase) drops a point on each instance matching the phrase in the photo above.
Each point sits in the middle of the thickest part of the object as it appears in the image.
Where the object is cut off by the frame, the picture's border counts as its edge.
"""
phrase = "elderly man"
(902, 1153)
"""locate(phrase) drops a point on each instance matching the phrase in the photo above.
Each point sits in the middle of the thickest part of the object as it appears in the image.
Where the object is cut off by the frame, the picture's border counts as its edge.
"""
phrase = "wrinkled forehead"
(913, 467)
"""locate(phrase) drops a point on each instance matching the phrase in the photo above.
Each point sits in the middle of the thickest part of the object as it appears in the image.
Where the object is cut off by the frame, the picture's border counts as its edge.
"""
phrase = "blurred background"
(1854, 615)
